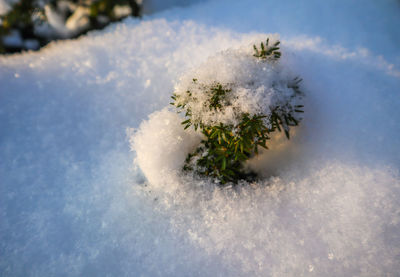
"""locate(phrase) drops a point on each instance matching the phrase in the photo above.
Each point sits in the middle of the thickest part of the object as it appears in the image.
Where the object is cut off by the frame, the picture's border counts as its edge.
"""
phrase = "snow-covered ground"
(73, 202)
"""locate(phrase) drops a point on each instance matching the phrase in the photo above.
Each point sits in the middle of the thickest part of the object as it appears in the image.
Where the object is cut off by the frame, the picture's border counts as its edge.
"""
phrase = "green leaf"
(214, 134)
(263, 145)
(224, 137)
(185, 122)
(287, 134)
(223, 163)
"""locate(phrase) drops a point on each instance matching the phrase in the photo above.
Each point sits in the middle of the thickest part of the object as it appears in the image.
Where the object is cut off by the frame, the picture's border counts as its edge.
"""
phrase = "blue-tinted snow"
(72, 202)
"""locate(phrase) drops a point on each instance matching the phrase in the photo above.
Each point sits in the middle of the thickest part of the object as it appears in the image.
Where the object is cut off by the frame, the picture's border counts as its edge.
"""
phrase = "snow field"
(72, 203)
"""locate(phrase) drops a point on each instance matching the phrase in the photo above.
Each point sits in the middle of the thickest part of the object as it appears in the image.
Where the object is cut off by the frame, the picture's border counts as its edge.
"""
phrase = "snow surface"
(72, 203)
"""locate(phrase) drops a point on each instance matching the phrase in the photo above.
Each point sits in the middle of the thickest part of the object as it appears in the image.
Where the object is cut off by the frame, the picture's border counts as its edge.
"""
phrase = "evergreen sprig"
(266, 51)
(25, 16)
(226, 147)
(222, 153)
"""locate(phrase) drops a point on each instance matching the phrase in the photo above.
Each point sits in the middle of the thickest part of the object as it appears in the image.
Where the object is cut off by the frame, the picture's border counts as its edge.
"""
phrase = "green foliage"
(266, 51)
(225, 147)
(282, 117)
(26, 15)
(20, 17)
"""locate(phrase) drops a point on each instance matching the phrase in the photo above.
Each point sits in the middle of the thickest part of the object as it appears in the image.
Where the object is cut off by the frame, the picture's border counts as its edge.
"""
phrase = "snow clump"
(255, 87)
(161, 146)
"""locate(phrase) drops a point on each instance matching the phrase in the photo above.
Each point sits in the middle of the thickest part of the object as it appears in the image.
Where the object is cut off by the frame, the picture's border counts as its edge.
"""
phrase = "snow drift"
(72, 203)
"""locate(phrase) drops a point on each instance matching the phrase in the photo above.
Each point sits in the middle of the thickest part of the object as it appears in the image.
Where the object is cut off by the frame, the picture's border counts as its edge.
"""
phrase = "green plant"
(227, 146)
(19, 17)
(27, 18)
(266, 51)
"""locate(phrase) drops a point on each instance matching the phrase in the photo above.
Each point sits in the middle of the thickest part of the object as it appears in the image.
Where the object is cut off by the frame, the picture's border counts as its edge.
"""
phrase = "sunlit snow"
(90, 154)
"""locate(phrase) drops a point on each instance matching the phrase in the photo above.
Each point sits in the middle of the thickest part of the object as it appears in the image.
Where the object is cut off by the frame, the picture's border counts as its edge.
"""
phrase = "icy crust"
(254, 87)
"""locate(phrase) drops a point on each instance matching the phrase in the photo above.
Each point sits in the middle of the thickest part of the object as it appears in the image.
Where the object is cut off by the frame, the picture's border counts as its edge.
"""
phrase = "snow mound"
(325, 214)
(323, 217)
(326, 217)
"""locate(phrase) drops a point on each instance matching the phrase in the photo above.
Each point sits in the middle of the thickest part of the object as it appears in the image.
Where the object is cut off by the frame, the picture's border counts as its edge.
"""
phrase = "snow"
(162, 136)
(5, 6)
(73, 202)
(56, 21)
(65, 27)
(255, 87)
(122, 11)
(79, 20)
(13, 39)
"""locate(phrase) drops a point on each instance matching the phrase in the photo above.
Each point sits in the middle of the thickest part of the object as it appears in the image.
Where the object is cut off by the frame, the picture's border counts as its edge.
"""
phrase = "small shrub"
(26, 26)
(229, 142)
